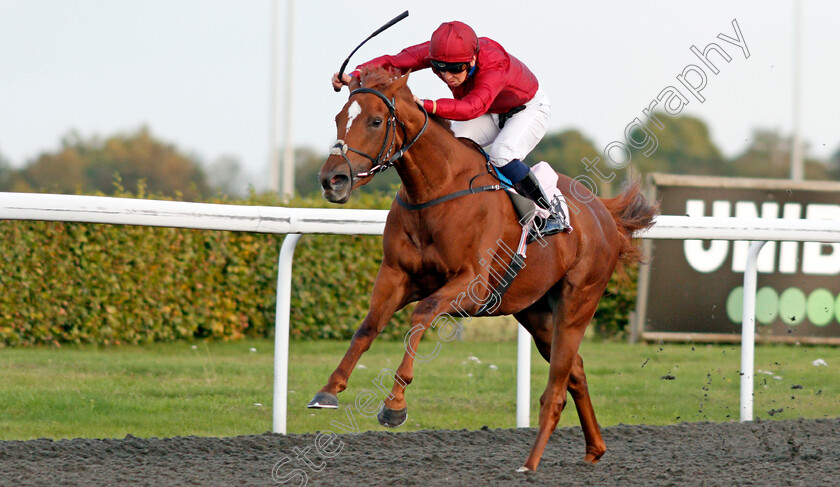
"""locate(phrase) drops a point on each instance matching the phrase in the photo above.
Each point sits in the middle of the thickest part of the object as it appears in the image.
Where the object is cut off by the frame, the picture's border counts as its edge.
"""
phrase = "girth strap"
(516, 265)
(450, 196)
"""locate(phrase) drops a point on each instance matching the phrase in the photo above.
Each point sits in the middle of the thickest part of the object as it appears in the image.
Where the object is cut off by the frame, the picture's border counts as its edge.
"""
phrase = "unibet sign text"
(696, 286)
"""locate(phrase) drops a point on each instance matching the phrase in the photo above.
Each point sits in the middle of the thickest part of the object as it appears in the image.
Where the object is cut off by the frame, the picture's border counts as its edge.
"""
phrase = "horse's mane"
(443, 122)
(379, 78)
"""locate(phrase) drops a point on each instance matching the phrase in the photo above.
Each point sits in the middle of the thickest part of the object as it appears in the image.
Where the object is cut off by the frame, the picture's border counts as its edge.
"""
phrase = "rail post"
(748, 331)
(523, 378)
(281, 332)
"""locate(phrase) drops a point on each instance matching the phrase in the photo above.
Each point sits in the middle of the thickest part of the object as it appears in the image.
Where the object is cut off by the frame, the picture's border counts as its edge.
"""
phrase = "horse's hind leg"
(595, 447)
(538, 321)
(574, 311)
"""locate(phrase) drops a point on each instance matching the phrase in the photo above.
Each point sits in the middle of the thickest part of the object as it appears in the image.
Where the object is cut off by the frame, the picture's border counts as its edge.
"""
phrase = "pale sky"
(197, 72)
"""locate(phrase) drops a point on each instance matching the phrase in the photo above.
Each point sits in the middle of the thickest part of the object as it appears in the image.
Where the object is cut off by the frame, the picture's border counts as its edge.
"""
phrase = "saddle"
(530, 216)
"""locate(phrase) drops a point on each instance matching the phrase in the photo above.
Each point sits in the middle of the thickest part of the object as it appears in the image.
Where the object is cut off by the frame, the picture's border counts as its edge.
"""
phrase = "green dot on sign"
(766, 305)
(792, 305)
(820, 307)
(735, 304)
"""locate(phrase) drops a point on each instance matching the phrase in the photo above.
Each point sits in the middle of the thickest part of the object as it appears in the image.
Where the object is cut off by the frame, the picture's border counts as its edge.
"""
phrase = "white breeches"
(521, 133)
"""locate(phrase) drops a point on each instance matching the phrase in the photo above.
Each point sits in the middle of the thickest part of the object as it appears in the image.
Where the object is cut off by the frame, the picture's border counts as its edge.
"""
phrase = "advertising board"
(693, 289)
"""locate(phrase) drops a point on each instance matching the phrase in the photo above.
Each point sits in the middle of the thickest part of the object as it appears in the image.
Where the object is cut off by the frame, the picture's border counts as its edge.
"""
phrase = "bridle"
(340, 147)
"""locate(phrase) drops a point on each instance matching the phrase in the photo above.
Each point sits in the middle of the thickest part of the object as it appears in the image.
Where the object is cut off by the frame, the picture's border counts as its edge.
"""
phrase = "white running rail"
(297, 221)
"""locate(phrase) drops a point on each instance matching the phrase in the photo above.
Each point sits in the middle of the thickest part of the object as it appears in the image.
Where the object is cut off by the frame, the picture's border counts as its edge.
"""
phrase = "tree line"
(96, 165)
(684, 146)
(105, 166)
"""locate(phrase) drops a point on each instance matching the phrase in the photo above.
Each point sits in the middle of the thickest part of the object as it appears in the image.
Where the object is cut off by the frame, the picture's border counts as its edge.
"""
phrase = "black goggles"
(449, 67)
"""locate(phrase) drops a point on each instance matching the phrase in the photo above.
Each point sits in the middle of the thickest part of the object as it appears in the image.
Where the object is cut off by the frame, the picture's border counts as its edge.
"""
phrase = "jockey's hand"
(417, 100)
(345, 80)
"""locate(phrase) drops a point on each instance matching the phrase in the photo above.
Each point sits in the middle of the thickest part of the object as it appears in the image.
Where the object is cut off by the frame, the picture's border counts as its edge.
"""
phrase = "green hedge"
(107, 284)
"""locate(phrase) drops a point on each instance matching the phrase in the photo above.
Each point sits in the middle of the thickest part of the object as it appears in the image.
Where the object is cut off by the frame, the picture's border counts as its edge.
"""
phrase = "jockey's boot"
(530, 188)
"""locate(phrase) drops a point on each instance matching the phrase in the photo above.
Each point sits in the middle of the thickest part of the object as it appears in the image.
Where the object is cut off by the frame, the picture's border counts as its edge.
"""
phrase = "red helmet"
(453, 42)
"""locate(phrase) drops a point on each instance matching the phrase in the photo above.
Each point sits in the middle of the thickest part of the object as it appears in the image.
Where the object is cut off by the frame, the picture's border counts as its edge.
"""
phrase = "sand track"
(800, 452)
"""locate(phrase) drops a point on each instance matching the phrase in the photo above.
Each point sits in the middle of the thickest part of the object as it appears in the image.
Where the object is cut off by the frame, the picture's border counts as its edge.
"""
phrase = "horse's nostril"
(338, 181)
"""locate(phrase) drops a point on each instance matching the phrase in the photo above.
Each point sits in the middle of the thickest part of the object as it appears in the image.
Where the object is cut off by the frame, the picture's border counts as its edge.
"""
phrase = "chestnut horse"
(433, 255)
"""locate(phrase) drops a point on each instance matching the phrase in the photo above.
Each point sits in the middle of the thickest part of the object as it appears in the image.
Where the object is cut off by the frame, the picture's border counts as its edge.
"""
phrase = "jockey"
(497, 102)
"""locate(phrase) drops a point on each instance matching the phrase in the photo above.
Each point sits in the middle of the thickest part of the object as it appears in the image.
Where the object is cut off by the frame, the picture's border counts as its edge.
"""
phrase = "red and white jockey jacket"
(499, 83)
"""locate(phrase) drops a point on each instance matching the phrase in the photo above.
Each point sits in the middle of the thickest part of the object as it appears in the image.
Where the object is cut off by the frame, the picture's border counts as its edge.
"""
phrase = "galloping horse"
(433, 255)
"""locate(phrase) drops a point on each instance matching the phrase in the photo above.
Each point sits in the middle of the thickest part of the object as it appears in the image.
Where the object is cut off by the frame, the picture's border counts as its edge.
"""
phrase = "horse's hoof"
(523, 469)
(391, 418)
(592, 458)
(323, 400)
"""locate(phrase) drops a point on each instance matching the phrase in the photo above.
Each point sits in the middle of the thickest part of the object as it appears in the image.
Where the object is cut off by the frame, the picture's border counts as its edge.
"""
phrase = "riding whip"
(378, 31)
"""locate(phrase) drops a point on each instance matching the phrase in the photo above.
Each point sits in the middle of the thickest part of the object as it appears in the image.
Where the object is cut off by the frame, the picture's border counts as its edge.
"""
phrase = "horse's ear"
(355, 83)
(399, 83)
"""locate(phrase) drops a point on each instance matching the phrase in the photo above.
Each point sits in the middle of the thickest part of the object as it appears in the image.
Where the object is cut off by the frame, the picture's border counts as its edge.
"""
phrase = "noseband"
(340, 147)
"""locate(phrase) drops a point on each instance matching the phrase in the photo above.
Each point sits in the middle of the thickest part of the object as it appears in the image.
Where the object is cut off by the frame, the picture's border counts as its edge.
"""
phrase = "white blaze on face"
(352, 112)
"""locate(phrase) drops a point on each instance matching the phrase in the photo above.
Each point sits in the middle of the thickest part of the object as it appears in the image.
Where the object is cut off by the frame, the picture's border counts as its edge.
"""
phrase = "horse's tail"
(631, 212)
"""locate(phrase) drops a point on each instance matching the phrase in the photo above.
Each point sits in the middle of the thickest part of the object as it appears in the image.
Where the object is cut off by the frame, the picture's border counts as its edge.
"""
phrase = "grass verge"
(225, 389)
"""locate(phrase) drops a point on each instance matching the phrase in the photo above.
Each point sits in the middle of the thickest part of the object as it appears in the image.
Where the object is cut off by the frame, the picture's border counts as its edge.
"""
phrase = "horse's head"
(369, 139)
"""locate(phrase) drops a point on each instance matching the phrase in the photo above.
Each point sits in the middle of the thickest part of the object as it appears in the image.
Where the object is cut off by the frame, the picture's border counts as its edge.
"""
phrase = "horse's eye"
(376, 122)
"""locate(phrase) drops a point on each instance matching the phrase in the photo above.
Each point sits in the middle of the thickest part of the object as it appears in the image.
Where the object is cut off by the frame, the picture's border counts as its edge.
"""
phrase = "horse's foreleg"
(390, 292)
(431, 311)
(595, 447)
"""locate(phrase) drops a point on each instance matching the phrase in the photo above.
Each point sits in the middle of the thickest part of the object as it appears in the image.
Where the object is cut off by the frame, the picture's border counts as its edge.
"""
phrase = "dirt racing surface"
(801, 452)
